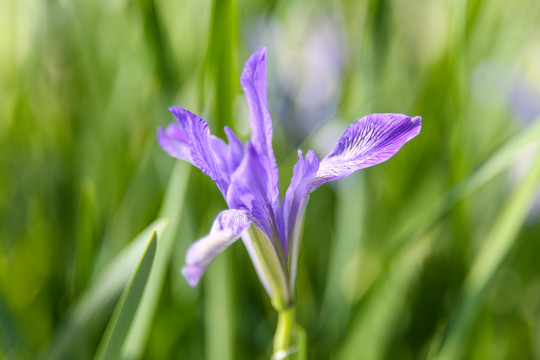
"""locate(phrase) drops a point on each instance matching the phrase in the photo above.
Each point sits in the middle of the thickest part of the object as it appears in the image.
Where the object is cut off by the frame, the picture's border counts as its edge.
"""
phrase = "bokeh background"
(433, 254)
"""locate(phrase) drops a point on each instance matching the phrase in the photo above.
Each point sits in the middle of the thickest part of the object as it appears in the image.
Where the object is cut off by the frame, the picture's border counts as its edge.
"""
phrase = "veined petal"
(367, 142)
(175, 142)
(296, 196)
(198, 136)
(250, 189)
(254, 84)
(227, 228)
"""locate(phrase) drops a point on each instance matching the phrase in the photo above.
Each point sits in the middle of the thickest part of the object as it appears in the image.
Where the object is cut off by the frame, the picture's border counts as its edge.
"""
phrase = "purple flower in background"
(247, 176)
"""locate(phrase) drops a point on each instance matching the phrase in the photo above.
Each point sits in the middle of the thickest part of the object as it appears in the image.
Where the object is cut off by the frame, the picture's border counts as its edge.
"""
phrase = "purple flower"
(247, 176)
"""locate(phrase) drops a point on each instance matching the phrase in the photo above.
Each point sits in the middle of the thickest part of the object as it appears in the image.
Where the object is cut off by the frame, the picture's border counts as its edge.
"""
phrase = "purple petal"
(228, 157)
(228, 227)
(251, 189)
(220, 150)
(254, 84)
(197, 133)
(235, 151)
(175, 142)
(296, 197)
(369, 141)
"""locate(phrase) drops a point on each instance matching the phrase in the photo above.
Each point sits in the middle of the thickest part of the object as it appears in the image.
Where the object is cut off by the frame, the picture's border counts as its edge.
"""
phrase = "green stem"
(285, 346)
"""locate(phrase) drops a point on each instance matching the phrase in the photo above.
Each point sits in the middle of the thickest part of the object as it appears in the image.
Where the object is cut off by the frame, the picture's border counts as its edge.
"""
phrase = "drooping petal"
(198, 136)
(227, 228)
(254, 84)
(367, 142)
(296, 196)
(175, 142)
(250, 189)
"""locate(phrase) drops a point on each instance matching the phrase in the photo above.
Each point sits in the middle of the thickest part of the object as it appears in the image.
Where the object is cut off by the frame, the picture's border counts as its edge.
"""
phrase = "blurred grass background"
(432, 254)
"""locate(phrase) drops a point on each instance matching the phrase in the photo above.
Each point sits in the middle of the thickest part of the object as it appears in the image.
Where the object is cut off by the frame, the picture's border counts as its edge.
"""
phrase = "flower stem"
(285, 346)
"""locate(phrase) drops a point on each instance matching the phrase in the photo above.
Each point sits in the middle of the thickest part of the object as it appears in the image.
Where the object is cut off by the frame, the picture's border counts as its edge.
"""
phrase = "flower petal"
(293, 208)
(236, 149)
(175, 142)
(199, 141)
(227, 228)
(254, 84)
(250, 189)
(367, 142)
(295, 199)
(228, 157)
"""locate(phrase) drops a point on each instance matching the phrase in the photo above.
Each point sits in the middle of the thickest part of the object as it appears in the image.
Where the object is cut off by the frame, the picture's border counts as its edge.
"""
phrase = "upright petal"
(296, 196)
(227, 228)
(367, 142)
(254, 84)
(235, 151)
(198, 137)
(293, 208)
(228, 156)
(250, 189)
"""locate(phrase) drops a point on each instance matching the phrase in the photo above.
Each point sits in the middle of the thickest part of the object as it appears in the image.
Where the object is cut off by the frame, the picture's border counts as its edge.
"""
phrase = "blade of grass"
(494, 164)
(494, 250)
(172, 208)
(218, 283)
(119, 325)
(84, 247)
(12, 340)
(350, 216)
(372, 325)
(96, 302)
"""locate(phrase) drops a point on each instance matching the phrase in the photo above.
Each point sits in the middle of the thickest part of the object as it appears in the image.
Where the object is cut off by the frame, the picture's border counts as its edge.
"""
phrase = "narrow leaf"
(172, 209)
(96, 302)
(499, 160)
(494, 250)
(118, 327)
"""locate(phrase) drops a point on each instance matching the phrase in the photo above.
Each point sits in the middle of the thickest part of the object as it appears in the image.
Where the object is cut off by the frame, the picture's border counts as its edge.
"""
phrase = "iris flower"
(247, 177)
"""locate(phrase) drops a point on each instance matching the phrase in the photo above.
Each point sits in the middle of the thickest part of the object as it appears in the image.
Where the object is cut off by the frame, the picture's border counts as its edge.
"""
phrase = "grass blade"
(498, 243)
(172, 209)
(118, 328)
(350, 217)
(493, 165)
(368, 337)
(96, 302)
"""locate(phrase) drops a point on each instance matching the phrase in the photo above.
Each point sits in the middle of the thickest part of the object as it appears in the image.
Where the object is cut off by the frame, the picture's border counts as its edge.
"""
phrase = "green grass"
(432, 254)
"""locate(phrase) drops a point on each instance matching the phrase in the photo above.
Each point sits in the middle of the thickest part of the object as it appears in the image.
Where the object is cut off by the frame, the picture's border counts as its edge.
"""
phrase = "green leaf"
(373, 324)
(12, 340)
(95, 304)
(172, 209)
(494, 164)
(350, 217)
(123, 316)
(494, 250)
